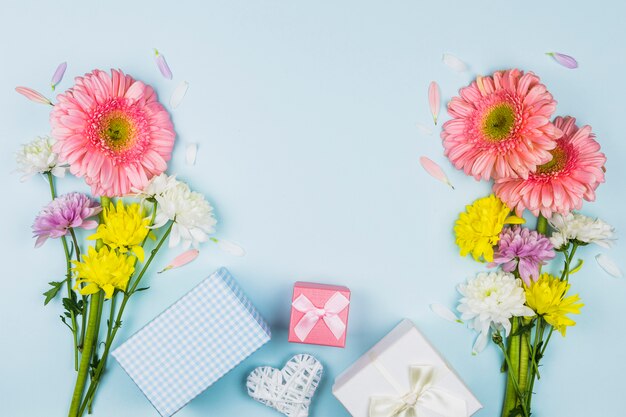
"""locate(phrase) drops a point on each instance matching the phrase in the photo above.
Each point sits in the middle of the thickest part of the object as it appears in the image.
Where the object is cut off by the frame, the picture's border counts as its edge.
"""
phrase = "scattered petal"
(565, 60)
(424, 129)
(58, 75)
(435, 171)
(455, 63)
(33, 95)
(445, 313)
(608, 265)
(162, 64)
(434, 100)
(179, 94)
(182, 259)
(480, 344)
(190, 154)
(229, 247)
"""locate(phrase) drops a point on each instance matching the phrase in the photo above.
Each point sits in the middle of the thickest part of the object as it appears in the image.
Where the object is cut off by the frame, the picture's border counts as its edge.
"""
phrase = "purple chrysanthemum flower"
(523, 249)
(68, 210)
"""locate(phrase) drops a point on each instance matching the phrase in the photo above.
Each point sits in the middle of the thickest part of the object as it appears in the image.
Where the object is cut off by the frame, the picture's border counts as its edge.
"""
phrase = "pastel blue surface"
(306, 115)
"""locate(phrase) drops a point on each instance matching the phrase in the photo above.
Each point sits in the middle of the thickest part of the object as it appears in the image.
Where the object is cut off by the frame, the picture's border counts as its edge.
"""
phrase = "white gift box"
(403, 375)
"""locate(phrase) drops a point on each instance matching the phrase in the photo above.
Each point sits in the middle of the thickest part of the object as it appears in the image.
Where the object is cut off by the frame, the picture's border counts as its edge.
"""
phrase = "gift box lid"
(401, 348)
(318, 295)
(193, 343)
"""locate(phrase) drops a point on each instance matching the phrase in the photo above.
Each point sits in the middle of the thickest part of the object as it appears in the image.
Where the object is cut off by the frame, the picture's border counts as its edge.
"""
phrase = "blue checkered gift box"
(193, 343)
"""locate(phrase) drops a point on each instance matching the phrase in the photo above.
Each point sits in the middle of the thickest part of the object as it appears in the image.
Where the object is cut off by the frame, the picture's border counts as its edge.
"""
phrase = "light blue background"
(306, 115)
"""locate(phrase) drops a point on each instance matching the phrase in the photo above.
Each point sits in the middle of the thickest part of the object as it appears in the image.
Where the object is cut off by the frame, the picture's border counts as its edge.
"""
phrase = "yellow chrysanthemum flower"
(547, 298)
(478, 228)
(104, 270)
(124, 228)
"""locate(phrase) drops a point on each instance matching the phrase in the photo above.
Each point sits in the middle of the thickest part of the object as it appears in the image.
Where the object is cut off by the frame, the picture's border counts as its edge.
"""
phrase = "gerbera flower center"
(117, 131)
(556, 164)
(498, 122)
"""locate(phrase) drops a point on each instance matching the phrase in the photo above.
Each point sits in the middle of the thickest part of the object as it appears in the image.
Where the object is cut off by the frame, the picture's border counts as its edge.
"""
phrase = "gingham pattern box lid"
(193, 343)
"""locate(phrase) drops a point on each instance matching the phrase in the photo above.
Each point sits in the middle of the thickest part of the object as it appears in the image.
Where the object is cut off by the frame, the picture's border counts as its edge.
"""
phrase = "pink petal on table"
(565, 60)
(33, 95)
(179, 94)
(58, 75)
(182, 259)
(162, 64)
(434, 100)
(435, 171)
(445, 313)
(608, 265)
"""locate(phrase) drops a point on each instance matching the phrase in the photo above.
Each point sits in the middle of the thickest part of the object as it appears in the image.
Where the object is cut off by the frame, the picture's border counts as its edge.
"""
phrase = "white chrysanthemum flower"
(191, 213)
(583, 229)
(37, 157)
(489, 301)
(156, 186)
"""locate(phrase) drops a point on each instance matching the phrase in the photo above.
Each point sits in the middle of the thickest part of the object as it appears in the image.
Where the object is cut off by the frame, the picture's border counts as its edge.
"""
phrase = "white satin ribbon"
(423, 393)
(312, 314)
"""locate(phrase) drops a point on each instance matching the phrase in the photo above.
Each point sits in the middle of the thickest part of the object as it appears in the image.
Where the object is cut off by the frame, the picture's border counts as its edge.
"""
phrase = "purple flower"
(523, 249)
(68, 210)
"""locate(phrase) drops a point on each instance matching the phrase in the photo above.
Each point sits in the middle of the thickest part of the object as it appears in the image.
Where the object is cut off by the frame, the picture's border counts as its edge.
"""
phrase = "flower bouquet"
(501, 130)
(110, 130)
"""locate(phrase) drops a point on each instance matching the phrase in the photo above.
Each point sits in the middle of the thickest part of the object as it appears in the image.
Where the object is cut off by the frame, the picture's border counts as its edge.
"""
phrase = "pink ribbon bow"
(312, 314)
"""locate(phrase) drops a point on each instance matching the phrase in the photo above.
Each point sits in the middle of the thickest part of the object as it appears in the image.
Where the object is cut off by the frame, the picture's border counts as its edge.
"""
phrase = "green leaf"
(52, 292)
(68, 326)
(516, 412)
(72, 305)
(141, 289)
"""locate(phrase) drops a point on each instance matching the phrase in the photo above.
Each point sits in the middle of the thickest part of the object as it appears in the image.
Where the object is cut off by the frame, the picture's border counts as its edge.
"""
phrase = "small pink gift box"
(319, 314)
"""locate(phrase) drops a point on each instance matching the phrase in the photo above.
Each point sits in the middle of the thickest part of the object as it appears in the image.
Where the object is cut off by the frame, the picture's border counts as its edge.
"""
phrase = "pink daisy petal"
(500, 126)
(560, 185)
(112, 131)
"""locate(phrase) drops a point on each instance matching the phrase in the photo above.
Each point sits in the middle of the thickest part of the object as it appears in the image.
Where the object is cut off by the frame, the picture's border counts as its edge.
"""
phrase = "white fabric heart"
(288, 390)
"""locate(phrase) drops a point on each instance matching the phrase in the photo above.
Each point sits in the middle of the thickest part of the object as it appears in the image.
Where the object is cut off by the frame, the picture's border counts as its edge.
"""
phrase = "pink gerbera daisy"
(560, 185)
(112, 131)
(500, 126)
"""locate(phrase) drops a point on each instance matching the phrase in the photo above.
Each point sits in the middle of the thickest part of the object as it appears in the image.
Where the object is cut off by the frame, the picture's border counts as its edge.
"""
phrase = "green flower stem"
(524, 359)
(85, 299)
(109, 330)
(69, 294)
(94, 352)
(118, 322)
(68, 265)
(534, 373)
(569, 257)
(511, 396)
(512, 362)
(538, 339)
(83, 370)
(51, 183)
(545, 345)
(76, 247)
